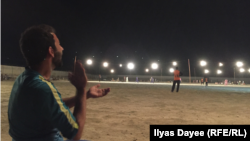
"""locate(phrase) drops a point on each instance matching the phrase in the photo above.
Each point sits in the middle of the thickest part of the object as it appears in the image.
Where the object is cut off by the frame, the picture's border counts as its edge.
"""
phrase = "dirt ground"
(127, 111)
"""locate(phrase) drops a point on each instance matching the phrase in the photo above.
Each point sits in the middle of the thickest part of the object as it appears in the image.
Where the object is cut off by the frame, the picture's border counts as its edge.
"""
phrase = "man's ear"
(51, 52)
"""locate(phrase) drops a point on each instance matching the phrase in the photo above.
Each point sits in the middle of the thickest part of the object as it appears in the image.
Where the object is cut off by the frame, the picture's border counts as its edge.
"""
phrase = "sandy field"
(127, 111)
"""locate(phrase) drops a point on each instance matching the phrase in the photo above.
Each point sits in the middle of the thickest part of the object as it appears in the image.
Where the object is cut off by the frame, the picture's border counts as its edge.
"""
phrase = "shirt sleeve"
(55, 110)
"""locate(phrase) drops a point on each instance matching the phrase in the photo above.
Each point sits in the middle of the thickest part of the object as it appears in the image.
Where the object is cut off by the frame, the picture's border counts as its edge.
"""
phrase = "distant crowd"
(4, 77)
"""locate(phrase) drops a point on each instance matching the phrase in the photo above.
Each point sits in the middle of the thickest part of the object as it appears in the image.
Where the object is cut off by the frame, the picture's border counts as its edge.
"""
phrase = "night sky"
(138, 31)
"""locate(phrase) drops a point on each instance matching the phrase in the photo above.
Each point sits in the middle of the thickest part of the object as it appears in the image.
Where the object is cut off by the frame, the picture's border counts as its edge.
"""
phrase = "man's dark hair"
(35, 42)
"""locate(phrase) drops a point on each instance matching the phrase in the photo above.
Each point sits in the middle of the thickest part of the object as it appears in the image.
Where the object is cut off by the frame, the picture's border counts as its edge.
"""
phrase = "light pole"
(154, 66)
(105, 64)
(161, 74)
(238, 64)
(189, 71)
(112, 71)
(234, 75)
(89, 63)
(130, 67)
(204, 63)
(194, 75)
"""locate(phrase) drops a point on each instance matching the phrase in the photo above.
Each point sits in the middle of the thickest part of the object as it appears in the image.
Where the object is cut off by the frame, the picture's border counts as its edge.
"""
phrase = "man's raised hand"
(78, 78)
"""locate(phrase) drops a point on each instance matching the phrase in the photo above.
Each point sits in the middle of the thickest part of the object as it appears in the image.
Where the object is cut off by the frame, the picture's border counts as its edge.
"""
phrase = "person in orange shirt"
(202, 82)
(177, 75)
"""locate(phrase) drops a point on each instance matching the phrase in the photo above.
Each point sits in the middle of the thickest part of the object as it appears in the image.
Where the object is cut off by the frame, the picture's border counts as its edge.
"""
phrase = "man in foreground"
(36, 109)
(177, 75)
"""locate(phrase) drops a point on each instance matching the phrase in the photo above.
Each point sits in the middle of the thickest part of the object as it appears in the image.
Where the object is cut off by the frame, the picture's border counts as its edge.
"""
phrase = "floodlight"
(89, 62)
(219, 71)
(105, 64)
(242, 70)
(206, 71)
(239, 64)
(131, 65)
(203, 63)
(154, 66)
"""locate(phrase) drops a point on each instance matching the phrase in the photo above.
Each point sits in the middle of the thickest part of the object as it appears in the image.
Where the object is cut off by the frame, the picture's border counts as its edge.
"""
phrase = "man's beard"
(57, 60)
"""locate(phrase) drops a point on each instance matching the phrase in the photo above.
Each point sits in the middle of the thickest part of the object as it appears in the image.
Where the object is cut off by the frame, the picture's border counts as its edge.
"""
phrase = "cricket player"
(202, 82)
(177, 75)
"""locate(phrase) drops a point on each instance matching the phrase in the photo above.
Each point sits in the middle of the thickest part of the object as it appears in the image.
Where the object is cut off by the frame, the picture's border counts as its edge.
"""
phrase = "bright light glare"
(206, 71)
(131, 65)
(146, 70)
(242, 70)
(249, 70)
(112, 71)
(89, 62)
(219, 71)
(171, 70)
(203, 63)
(154, 66)
(120, 65)
(174, 63)
(239, 64)
(105, 64)
(220, 64)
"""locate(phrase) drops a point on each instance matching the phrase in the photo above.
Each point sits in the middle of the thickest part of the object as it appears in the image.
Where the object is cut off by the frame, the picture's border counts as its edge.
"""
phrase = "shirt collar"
(27, 68)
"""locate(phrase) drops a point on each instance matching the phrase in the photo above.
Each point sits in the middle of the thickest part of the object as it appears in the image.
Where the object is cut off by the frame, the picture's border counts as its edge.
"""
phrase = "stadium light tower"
(219, 71)
(203, 63)
(89, 61)
(171, 70)
(220, 64)
(206, 71)
(174, 63)
(154, 66)
(105, 64)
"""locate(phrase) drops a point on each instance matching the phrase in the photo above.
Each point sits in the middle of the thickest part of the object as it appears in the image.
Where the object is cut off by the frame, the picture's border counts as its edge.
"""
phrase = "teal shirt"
(36, 110)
